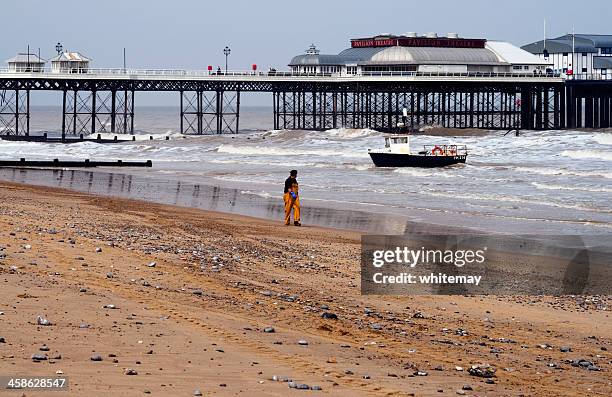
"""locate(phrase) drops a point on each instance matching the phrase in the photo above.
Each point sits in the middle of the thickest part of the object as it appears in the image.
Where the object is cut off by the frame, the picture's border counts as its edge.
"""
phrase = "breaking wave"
(286, 151)
(549, 186)
(588, 154)
(603, 139)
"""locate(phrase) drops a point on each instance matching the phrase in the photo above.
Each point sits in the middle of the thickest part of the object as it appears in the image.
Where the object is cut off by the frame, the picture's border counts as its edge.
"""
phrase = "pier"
(102, 100)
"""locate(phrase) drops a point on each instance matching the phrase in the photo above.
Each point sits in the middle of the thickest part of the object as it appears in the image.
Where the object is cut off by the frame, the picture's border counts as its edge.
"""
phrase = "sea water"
(554, 182)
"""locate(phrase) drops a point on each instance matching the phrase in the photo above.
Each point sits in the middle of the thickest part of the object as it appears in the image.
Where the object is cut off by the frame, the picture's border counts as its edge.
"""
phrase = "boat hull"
(414, 160)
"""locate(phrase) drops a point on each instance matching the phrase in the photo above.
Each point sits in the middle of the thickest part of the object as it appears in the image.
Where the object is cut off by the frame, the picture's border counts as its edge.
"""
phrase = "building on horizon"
(26, 63)
(70, 62)
(409, 53)
(574, 54)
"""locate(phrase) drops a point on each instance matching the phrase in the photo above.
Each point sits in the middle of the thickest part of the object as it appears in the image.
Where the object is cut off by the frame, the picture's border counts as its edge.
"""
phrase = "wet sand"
(117, 183)
(196, 319)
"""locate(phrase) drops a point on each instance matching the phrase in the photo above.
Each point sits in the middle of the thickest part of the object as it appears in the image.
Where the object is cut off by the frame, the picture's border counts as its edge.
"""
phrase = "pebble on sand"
(482, 371)
(130, 371)
(329, 316)
(301, 386)
(269, 330)
(96, 357)
(303, 342)
(42, 321)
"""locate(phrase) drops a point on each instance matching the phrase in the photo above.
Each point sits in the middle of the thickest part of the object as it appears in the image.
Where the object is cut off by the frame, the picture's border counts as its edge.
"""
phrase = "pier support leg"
(15, 112)
(210, 112)
(64, 94)
(90, 112)
(275, 103)
(113, 114)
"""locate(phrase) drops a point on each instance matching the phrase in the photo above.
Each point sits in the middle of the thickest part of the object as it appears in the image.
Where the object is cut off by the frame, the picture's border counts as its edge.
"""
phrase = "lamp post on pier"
(59, 47)
(226, 51)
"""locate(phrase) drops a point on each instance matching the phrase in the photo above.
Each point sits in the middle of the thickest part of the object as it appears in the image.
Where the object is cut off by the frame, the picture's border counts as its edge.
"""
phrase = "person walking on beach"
(292, 199)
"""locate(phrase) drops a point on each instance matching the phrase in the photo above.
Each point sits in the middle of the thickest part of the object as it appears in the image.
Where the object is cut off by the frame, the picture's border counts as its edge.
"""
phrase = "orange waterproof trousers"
(291, 204)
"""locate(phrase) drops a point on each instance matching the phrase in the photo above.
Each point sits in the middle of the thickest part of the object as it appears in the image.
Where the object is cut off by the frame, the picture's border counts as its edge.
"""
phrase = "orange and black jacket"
(289, 185)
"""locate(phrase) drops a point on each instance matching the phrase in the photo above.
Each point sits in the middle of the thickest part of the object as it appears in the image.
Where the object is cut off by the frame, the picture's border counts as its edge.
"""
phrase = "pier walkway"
(102, 100)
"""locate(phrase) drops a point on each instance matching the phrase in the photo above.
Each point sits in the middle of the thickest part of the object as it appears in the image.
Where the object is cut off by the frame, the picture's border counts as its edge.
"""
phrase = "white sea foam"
(563, 172)
(285, 151)
(512, 199)
(603, 139)
(427, 173)
(351, 133)
(550, 186)
(588, 154)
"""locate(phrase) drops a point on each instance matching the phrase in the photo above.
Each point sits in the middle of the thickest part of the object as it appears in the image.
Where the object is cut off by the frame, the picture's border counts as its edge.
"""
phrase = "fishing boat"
(396, 153)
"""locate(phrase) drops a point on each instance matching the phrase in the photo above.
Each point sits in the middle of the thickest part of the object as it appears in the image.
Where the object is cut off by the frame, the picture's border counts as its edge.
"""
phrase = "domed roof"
(400, 55)
(428, 55)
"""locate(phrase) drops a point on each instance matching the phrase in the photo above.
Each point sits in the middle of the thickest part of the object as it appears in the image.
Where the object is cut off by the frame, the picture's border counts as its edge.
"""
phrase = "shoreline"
(197, 318)
(507, 188)
(229, 198)
(118, 184)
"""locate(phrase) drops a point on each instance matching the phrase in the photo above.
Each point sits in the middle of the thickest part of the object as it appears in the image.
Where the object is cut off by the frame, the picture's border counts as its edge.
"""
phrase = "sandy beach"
(230, 305)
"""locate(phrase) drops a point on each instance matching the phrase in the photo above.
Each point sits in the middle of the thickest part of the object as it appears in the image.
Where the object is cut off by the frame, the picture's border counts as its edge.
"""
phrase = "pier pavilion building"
(577, 54)
(26, 63)
(70, 62)
(392, 54)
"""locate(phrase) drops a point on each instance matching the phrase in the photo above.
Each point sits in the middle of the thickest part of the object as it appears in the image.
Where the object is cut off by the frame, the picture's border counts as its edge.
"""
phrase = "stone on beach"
(40, 320)
(329, 316)
(482, 371)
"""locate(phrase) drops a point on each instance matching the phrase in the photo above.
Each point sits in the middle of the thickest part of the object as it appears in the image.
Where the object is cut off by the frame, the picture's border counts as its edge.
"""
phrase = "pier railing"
(590, 76)
(183, 73)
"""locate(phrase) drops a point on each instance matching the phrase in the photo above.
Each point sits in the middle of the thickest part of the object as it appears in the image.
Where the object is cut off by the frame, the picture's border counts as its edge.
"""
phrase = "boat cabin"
(397, 144)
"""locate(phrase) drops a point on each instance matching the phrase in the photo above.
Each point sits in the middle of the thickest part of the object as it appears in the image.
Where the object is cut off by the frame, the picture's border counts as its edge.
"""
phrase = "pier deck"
(102, 100)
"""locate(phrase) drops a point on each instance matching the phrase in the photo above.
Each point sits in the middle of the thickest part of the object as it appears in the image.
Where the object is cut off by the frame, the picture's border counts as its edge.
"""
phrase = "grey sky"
(191, 34)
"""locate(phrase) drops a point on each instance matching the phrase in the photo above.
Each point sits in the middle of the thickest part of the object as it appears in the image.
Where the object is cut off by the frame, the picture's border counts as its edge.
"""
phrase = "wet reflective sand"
(207, 197)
